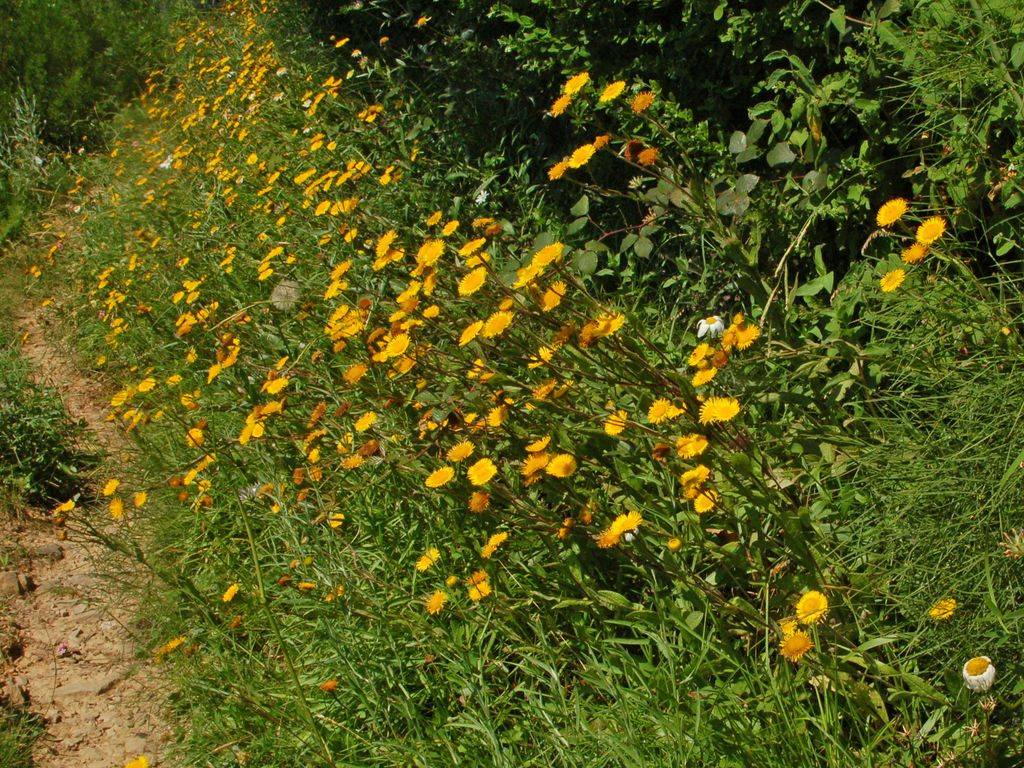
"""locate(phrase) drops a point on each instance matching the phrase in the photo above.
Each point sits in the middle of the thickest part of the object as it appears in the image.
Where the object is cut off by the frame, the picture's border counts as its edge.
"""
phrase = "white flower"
(167, 162)
(712, 326)
(979, 674)
(481, 196)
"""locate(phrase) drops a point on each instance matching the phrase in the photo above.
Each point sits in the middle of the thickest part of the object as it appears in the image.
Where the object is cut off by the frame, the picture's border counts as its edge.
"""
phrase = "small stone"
(10, 585)
(51, 551)
(15, 693)
(93, 687)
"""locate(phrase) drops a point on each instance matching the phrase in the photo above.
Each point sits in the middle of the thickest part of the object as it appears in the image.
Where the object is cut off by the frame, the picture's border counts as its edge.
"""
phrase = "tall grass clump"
(433, 480)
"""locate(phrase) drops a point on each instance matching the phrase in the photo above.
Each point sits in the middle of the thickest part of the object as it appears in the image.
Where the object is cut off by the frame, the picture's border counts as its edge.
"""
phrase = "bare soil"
(67, 629)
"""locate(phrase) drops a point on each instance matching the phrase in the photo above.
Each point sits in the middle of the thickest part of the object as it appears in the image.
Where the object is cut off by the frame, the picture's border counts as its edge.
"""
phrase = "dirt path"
(78, 667)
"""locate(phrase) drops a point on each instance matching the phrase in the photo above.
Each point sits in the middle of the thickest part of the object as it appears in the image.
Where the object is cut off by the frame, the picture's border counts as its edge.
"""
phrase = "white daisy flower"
(712, 326)
(979, 674)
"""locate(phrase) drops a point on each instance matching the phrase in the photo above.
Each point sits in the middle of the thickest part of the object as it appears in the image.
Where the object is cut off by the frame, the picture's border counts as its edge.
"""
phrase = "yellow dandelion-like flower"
(460, 451)
(702, 377)
(642, 101)
(719, 409)
(439, 477)
(747, 335)
(557, 171)
(229, 593)
(470, 332)
(365, 421)
(662, 410)
(552, 296)
(534, 463)
(111, 486)
(622, 525)
(492, 544)
(560, 104)
(674, 544)
(616, 423)
(473, 281)
(795, 645)
(562, 465)
(539, 444)
(481, 472)
(479, 586)
(788, 626)
(931, 230)
(436, 602)
(612, 91)
(812, 607)
(914, 254)
(427, 559)
(429, 253)
(690, 446)
(696, 476)
(139, 762)
(943, 609)
(892, 280)
(497, 323)
(576, 83)
(891, 212)
(479, 501)
(705, 501)
(581, 156)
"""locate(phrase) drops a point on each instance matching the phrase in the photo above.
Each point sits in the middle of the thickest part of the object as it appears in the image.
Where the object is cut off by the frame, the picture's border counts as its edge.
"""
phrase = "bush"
(41, 460)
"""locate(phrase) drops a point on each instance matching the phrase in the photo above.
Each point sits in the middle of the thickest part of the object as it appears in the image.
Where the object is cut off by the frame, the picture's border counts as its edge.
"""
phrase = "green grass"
(878, 460)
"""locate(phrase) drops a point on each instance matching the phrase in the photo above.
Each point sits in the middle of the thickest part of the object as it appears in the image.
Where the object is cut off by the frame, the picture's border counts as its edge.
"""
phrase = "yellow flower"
(794, 646)
(552, 296)
(674, 544)
(811, 607)
(611, 91)
(534, 463)
(616, 423)
(365, 421)
(642, 101)
(581, 156)
(481, 472)
(914, 254)
(662, 410)
(696, 477)
(439, 477)
(943, 609)
(702, 377)
(492, 544)
(429, 253)
(562, 465)
(229, 593)
(116, 508)
(139, 762)
(460, 451)
(705, 501)
(557, 171)
(621, 526)
(892, 280)
(497, 323)
(747, 335)
(575, 83)
(110, 487)
(472, 282)
(690, 446)
(931, 230)
(891, 212)
(427, 559)
(719, 409)
(788, 626)
(470, 332)
(436, 602)
(479, 586)
(478, 502)
(561, 104)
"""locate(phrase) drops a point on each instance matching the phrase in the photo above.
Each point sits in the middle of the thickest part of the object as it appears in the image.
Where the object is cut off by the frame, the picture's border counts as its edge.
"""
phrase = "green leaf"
(586, 262)
(642, 247)
(780, 154)
(582, 207)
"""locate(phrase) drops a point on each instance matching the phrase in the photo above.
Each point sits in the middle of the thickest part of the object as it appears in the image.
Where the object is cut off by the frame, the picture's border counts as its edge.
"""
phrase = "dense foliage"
(65, 68)
(677, 425)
